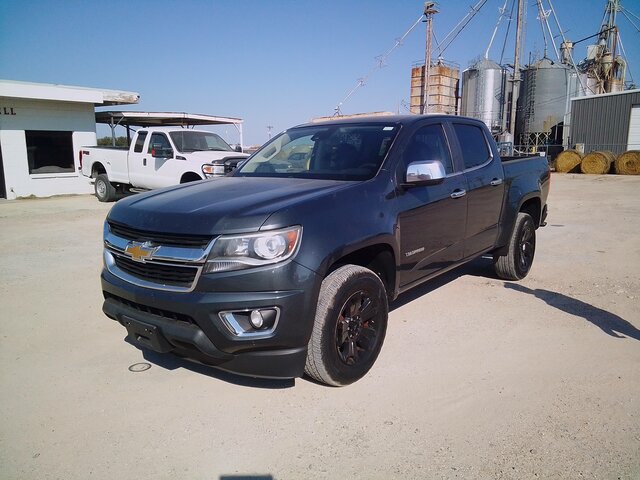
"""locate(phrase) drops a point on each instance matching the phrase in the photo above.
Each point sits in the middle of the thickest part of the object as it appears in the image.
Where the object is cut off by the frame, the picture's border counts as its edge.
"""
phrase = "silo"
(542, 103)
(483, 93)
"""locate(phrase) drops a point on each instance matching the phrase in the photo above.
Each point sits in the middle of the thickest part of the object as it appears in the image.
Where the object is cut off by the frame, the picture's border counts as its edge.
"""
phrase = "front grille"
(175, 275)
(180, 317)
(169, 239)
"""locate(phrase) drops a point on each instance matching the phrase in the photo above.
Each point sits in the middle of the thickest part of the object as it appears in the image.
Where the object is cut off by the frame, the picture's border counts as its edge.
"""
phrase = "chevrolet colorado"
(288, 264)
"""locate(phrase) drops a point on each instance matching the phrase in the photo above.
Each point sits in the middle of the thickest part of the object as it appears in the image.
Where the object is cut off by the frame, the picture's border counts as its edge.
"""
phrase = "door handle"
(144, 162)
(496, 181)
(458, 193)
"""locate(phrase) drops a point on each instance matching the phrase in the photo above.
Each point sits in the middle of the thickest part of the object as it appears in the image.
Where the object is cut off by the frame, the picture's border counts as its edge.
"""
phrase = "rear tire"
(522, 247)
(349, 328)
(105, 192)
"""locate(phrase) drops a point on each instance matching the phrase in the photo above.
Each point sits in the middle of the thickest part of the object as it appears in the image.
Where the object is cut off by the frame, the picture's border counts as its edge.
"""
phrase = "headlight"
(209, 169)
(237, 252)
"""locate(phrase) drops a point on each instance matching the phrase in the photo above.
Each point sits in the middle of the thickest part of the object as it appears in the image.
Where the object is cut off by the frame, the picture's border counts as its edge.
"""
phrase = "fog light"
(256, 319)
(251, 323)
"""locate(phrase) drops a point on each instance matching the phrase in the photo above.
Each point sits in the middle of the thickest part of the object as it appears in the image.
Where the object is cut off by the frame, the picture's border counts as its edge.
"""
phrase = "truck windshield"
(330, 152)
(190, 141)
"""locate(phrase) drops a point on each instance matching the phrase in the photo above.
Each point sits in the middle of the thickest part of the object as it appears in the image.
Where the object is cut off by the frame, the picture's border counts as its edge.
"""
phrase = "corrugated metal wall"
(602, 122)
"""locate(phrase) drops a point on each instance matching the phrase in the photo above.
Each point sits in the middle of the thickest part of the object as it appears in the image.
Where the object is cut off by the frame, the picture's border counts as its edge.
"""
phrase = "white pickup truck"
(158, 157)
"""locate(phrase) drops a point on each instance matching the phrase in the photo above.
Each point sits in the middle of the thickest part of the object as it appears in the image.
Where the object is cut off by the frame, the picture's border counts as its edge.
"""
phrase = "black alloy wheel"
(349, 327)
(357, 331)
(515, 265)
(526, 246)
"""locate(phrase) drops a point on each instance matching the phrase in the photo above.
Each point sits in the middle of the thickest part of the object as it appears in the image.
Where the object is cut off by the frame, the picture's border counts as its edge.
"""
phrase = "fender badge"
(140, 252)
(413, 252)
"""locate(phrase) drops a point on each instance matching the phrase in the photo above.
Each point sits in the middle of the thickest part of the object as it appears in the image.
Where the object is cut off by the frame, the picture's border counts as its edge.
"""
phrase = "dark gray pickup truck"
(288, 265)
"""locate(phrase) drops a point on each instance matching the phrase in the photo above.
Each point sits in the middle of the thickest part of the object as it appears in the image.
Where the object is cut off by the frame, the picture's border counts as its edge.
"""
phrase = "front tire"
(522, 247)
(349, 328)
(105, 192)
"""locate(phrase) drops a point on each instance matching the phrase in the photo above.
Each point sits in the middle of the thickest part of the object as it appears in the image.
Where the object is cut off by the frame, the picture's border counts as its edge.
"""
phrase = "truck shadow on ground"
(173, 362)
(609, 323)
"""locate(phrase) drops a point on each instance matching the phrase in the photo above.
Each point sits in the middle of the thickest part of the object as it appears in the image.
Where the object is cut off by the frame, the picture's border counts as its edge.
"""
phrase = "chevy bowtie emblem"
(140, 252)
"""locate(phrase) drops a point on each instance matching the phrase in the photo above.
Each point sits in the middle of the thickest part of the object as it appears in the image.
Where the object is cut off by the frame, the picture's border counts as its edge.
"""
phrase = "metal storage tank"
(444, 78)
(542, 104)
(483, 93)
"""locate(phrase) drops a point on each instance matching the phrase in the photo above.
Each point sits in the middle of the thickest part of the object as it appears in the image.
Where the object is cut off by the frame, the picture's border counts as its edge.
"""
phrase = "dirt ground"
(478, 378)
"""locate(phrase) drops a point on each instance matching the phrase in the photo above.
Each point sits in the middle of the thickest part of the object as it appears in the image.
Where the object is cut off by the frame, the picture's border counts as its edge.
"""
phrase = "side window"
(140, 142)
(473, 143)
(158, 139)
(429, 143)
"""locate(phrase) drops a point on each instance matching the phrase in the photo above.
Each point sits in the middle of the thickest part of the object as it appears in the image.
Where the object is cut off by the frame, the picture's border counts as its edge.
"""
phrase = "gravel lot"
(478, 378)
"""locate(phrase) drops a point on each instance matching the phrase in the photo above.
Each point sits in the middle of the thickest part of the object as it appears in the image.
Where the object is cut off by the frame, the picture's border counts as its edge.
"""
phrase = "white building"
(42, 127)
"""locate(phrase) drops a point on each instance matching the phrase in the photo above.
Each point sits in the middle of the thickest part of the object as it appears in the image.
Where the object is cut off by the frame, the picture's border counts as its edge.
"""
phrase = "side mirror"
(159, 151)
(238, 149)
(425, 173)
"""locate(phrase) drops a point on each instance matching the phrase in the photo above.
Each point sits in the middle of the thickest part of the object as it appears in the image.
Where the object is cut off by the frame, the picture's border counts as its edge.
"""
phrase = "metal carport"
(127, 119)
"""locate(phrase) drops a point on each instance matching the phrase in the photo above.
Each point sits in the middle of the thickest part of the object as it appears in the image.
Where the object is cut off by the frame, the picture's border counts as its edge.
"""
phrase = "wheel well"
(377, 258)
(96, 169)
(190, 177)
(532, 207)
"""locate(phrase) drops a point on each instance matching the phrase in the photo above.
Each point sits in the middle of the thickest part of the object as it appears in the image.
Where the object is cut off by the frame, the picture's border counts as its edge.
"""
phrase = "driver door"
(433, 217)
(161, 172)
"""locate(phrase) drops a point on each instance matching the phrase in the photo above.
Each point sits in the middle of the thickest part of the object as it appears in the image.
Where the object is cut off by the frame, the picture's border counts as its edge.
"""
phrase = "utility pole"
(429, 11)
(269, 128)
(516, 72)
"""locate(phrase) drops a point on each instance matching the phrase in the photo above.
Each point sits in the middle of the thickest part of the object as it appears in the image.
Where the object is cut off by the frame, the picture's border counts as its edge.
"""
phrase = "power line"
(625, 56)
(458, 28)
(623, 9)
(380, 63)
(506, 36)
(630, 21)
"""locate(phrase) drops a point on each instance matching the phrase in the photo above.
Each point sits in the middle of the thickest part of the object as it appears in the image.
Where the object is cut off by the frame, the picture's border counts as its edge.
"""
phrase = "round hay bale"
(568, 161)
(628, 163)
(597, 163)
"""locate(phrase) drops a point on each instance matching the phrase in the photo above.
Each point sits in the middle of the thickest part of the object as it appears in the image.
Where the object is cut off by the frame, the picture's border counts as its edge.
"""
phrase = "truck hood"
(216, 206)
(211, 156)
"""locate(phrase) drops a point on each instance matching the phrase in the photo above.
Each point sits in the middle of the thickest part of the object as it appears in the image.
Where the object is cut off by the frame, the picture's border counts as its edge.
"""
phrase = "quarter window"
(473, 144)
(49, 152)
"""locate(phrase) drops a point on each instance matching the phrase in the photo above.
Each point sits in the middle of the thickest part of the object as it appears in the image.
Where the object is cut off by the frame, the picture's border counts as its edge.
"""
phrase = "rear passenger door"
(432, 218)
(485, 187)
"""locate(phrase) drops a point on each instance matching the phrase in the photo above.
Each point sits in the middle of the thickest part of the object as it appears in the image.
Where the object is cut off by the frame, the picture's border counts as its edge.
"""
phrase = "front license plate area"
(146, 335)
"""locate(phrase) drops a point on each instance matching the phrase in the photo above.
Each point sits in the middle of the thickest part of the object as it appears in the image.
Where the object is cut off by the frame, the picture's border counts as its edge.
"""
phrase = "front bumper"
(188, 324)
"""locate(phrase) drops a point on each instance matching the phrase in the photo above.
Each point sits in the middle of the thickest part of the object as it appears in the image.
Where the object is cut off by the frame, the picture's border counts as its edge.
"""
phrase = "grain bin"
(483, 93)
(543, 102)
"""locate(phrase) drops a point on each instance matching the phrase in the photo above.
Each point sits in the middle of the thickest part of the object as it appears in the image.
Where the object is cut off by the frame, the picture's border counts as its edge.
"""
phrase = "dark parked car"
(286, 267)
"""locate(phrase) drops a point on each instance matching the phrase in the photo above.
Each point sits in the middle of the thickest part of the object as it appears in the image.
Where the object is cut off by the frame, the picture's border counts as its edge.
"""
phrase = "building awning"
(66, 93)
(162, 119)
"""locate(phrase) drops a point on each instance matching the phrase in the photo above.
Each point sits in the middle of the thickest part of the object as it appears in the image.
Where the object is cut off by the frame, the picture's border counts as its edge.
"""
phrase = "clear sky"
(269, 62)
